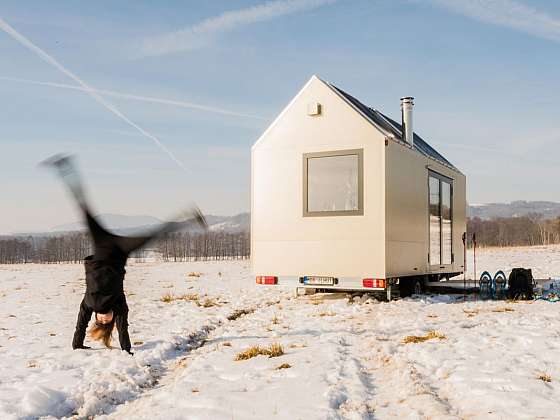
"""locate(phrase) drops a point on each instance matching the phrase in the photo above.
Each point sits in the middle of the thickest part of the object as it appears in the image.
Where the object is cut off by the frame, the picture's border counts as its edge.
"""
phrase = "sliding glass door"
(440, 219)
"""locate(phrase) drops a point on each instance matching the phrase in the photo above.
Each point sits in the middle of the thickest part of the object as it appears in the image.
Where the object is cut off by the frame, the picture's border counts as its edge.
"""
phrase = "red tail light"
(267, 280)
(374, 283)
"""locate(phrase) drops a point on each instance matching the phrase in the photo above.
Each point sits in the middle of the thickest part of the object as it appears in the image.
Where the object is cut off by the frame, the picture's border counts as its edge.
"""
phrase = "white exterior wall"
(283, 242)
(407, 212)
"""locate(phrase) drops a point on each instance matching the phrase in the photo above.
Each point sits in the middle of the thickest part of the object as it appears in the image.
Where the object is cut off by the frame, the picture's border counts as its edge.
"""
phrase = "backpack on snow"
(521, 284)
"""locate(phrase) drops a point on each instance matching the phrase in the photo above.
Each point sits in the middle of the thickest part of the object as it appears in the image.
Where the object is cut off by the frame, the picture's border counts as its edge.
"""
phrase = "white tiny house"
(342, 197)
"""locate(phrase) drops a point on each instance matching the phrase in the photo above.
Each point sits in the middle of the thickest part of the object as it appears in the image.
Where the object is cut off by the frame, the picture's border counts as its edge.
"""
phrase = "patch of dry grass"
(273, 350)
(298, 345)
(189, 297)
(421, 338)
(326, 313)
(32, 364)
(167, 298)
(545, 377)
(138, 343)
(431, 316)
(504, 309)
(239, 313)
(283, 366)
(194, 274)
(226, 344)
(316, 302)
(207, 303)
(275, 320)
(470, 312)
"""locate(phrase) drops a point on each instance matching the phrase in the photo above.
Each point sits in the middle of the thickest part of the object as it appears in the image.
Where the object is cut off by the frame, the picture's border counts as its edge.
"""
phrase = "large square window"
(333, 183)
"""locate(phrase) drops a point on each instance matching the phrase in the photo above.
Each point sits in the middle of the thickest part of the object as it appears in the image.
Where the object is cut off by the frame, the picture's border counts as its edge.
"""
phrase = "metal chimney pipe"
(407, 103)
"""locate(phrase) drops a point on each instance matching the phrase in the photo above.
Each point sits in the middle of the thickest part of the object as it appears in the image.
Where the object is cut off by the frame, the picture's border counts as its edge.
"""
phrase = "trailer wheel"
(393, 291)
(418, 286)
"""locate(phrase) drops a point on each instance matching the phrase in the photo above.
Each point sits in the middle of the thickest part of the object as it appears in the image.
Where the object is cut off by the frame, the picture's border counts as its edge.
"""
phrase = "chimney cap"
(407, 98)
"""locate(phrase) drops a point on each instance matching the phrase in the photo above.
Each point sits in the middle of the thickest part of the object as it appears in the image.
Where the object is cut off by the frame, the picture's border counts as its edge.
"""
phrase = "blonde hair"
(102, 332)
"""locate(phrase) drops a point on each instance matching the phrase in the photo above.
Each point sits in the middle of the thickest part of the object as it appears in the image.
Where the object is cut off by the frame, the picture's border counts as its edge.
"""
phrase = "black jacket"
(104, 283)
(104, 292)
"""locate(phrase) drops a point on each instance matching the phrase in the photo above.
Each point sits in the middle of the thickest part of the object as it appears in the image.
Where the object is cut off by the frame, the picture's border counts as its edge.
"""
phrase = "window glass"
(333, 183)
(435, 221)
(446, 222)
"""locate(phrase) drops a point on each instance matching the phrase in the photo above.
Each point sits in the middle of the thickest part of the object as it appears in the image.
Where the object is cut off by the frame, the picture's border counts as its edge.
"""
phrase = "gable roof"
(393, 128)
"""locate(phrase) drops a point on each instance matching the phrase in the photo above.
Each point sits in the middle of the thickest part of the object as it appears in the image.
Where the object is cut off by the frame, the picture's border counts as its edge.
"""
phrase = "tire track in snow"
(161, 372)
(399, 387)
(349, 398)
(101, 395)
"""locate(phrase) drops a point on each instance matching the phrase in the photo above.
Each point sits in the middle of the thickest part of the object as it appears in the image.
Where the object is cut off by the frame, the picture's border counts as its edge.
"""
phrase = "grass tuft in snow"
(470, 312)
(167, 298)
(239, 313)
(545, 377)
(188, 297)
(504, 309)
(421, 338)
(283, 366)
(273, 350)
(194, 274)
(298, 345)
(208, 303)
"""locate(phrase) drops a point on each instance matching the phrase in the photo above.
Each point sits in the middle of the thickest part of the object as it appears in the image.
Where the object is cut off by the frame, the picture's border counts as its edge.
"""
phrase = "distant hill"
(548, 209)
(112, 221)
(133, 224)
(241, 222)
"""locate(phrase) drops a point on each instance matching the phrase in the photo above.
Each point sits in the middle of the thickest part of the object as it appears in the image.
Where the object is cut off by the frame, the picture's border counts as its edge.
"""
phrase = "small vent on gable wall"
(314, 109)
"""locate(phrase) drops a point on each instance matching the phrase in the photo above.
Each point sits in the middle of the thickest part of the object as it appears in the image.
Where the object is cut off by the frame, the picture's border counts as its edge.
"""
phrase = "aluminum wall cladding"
(395, 129)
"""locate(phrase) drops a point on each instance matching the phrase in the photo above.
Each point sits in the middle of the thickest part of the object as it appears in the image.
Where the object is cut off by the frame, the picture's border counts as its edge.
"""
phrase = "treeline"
(514, 231)
(210, 246)
(74, 247)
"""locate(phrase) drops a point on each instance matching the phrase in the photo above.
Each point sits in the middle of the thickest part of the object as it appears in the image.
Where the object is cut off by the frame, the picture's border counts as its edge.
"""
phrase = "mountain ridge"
(124, 224)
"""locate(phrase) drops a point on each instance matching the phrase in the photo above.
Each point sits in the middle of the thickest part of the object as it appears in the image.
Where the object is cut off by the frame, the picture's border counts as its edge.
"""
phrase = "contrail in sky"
(201, 33)
(124, 95)
(92, 92)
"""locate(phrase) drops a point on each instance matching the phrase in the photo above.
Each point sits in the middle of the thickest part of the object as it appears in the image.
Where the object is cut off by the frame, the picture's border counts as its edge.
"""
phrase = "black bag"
(521, 284)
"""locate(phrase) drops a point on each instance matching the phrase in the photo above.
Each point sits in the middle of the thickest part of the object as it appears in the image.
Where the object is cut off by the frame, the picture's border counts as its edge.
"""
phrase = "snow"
(346, 356)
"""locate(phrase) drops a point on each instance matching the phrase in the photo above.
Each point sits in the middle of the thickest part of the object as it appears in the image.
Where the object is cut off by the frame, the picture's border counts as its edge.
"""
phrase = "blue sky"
(484, 74)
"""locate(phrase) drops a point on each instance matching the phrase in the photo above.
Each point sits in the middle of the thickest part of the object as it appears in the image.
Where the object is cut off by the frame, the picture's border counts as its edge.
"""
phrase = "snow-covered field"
(344, 358)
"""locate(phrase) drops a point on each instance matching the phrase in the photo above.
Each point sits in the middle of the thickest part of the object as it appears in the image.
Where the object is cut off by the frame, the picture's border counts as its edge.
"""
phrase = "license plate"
(321, 281)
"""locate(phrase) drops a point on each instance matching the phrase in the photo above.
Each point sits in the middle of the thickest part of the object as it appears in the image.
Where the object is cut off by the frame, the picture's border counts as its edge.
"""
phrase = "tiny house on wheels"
(343, 197)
